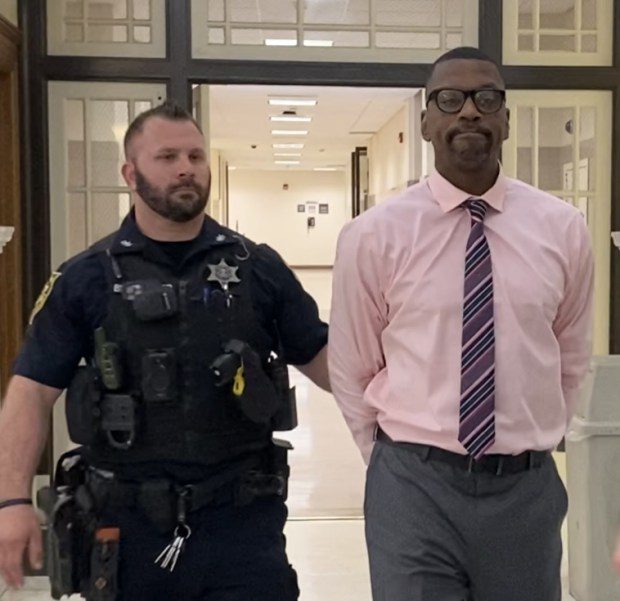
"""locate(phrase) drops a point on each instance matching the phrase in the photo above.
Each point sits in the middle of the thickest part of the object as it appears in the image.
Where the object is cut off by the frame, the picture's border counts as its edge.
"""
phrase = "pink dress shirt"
(396, 316)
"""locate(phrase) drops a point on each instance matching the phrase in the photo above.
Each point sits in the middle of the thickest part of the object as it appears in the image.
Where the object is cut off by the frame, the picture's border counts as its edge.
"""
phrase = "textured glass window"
(106, 27)
(558, 32)
(347, 30)
(109, 121)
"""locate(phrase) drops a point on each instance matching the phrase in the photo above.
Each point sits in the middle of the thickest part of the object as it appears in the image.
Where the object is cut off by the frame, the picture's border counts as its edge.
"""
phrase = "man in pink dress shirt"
(460, 333)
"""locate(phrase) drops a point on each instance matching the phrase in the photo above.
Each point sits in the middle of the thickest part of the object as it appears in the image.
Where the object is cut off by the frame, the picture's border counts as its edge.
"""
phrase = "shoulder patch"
(44, 295)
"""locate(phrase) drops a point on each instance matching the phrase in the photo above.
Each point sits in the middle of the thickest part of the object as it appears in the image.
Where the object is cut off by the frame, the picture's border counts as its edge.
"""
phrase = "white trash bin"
(593, 482)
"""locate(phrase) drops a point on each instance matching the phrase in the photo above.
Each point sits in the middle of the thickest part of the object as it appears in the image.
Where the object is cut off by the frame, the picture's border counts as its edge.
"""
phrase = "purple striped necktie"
(477, 409)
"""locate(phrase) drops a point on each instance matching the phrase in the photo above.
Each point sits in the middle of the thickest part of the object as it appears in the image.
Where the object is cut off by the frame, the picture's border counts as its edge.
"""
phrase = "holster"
(73, 553)
(70, 523)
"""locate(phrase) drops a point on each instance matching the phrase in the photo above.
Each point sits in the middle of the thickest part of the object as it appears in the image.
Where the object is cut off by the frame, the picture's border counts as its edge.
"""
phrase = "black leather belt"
(495, 464)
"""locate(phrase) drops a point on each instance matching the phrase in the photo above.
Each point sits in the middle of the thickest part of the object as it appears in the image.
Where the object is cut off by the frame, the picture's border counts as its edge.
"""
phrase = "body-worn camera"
(151, 300)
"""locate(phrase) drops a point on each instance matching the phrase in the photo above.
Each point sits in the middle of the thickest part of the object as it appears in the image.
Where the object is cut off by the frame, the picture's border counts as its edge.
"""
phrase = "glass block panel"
(454, 13)
(109, 120)
(407, 13)
(76, 146)
(525, 146)
(74, 9)
(106, 33)
(142, 34)
(557, 42)
(74, 32)
(557, 15)
(139, 106)
(142, 10)
(216, 35)
(526, 14)
(346, 12)
(262, 11)
(107, 9)
(555, 148)
(76, 231)
(589, 43)
(453, 40)
(260, 37)
(588, 14)
(526, 42)
(338, 39)
(106, 209)
(587, 149)
(398, 39)
(216, 10)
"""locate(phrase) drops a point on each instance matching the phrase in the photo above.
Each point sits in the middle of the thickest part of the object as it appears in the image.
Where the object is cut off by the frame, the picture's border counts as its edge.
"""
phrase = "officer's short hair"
(167, 110)
(463, 52)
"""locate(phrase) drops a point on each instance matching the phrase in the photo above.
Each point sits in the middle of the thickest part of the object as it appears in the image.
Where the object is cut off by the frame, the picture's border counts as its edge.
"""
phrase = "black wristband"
(12, 502)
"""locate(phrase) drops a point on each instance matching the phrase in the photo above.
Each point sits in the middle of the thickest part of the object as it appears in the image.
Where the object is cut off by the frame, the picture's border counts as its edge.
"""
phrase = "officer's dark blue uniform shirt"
(61, 332)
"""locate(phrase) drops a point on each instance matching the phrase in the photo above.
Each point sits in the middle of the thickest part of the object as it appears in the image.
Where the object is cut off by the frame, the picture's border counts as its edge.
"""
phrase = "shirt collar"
(449, 197)
(129, 238)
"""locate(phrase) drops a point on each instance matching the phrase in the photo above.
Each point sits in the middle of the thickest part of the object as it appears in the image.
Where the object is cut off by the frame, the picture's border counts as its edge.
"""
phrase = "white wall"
(389, 158)
(8, 9)
(261, 210)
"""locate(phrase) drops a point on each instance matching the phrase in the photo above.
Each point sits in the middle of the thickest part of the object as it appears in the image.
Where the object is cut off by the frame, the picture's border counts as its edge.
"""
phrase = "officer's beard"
(171, 203)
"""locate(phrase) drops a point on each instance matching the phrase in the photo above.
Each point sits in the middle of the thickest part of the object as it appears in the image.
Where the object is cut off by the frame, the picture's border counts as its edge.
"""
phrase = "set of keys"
(170, 555)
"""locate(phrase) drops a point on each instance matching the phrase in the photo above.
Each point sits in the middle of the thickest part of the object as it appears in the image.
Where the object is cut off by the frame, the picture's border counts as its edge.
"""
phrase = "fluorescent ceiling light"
(287, 154)
(280, 42)
(286, 162)
(326, 169)
(293, 145)
(231, 168)
(294, 118)
(289, 132)
(319, 43)
(292, 102)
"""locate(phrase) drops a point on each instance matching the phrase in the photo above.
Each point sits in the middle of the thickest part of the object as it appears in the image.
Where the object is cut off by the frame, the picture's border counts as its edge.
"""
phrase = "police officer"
(180, 322)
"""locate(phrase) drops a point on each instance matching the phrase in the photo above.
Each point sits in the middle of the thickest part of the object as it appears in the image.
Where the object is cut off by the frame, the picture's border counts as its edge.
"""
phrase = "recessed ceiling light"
(292, 118)
(319, 43)
(289, 132)
(292, 101)
(280, 42)
(292, 145)
(286, 162)
(287, 154)
(326, 169)
(231, 168)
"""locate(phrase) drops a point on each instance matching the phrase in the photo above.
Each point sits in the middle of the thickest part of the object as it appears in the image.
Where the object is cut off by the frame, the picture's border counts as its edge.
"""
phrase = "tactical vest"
(167, 329)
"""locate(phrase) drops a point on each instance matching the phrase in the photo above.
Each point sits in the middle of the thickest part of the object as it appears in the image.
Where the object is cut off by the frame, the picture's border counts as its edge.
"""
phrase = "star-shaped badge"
(224, 274)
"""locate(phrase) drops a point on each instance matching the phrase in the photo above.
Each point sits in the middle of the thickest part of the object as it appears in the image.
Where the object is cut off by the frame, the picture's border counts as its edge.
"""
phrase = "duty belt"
(165, 501)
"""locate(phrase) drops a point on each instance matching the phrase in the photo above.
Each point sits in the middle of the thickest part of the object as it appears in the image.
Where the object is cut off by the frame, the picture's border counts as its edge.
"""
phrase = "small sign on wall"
(323, 209)
(312, 207)
(301, 208)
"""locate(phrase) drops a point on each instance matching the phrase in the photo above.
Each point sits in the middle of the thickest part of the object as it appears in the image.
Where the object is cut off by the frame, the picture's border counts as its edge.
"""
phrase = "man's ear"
(424, 127)
(128, 171)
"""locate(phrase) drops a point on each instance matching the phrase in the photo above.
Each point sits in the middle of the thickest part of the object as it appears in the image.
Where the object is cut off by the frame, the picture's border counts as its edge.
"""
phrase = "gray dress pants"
(439, 533)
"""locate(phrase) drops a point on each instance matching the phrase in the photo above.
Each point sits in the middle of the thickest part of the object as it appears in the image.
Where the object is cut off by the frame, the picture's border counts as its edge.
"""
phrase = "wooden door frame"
(11, 259)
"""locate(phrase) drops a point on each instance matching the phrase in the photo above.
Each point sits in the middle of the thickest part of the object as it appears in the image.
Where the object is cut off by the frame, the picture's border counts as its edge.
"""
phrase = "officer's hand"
(19, 530)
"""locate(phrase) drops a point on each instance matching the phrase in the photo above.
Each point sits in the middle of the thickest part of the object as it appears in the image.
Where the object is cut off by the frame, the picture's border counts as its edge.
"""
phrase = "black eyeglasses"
(487, 100)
